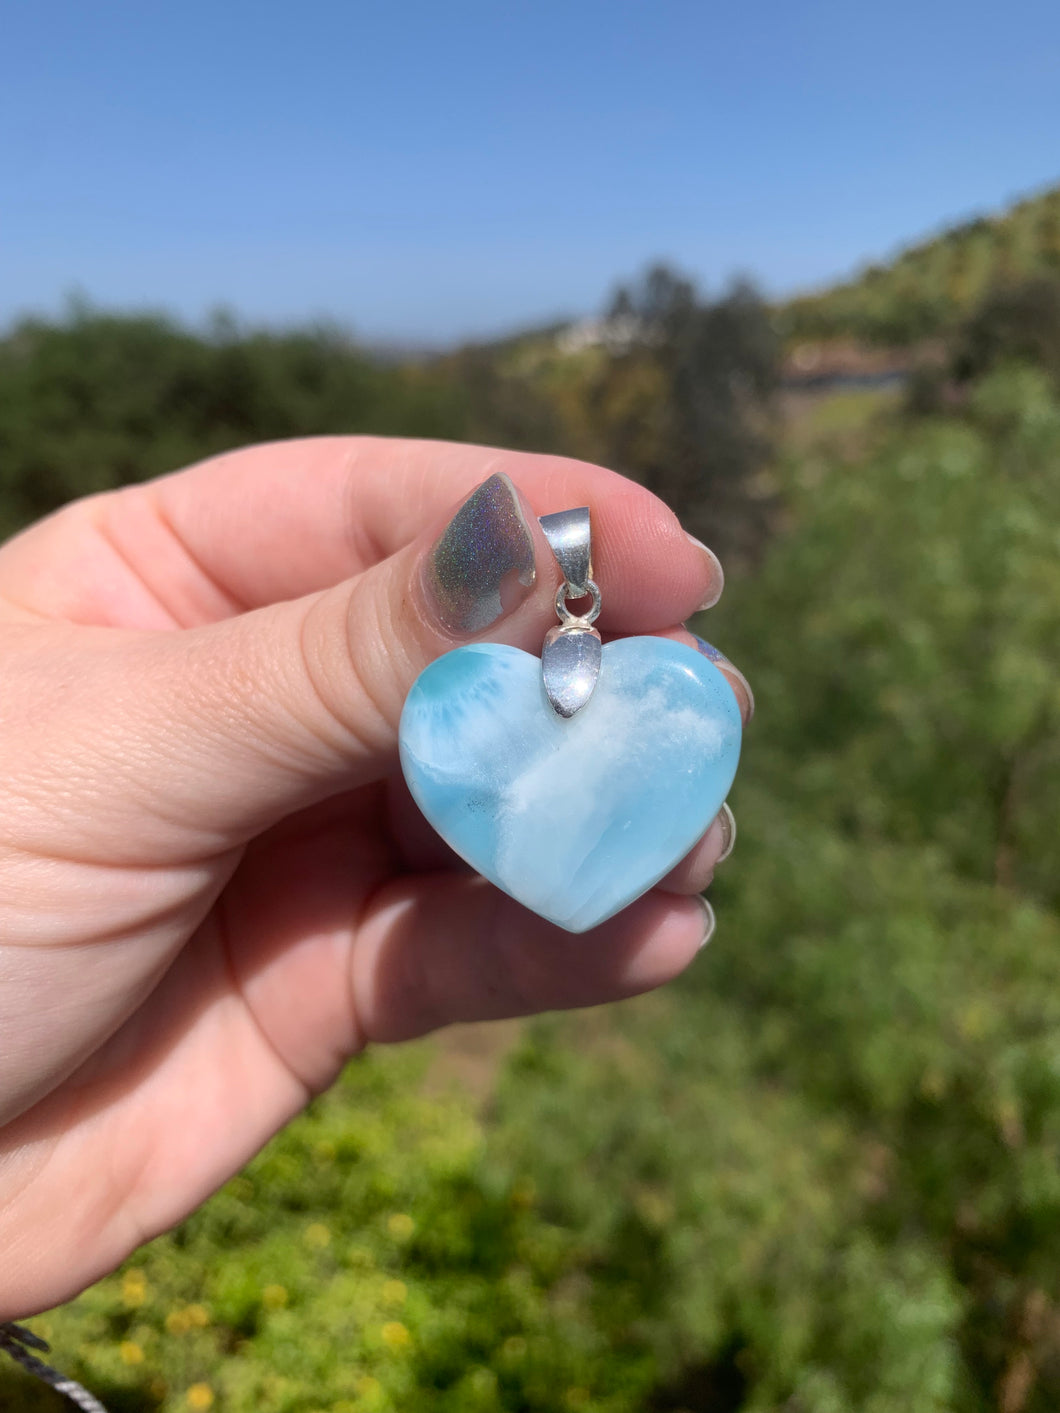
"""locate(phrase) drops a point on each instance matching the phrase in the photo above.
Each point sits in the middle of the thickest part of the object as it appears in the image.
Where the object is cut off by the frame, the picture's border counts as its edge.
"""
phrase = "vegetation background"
(821, 1172)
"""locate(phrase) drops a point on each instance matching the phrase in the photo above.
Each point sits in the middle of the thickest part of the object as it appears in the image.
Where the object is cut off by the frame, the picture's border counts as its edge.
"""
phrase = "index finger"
(274, 522)
(277, 521)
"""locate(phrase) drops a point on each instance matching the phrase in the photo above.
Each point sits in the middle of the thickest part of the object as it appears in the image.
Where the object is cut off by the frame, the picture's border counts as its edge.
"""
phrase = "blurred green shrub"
(1017, 322)
(913, 692)
(99, 400)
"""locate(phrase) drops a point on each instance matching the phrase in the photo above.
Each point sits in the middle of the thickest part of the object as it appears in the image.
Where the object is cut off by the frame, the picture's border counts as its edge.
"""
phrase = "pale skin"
(214, 889)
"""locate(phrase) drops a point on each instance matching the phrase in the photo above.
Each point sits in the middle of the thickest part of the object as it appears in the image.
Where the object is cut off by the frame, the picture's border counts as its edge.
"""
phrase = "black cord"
(17, 1341)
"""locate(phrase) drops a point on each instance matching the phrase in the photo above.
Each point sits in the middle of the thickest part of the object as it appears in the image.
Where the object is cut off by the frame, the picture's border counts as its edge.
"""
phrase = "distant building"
(616, 335)
(850, 363)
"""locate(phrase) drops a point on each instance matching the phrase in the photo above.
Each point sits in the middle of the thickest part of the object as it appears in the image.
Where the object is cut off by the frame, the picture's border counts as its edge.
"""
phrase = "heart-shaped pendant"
(574, 815)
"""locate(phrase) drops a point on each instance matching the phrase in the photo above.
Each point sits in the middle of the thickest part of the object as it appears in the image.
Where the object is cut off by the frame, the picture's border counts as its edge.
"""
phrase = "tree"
(685, 406)
(1016, 322)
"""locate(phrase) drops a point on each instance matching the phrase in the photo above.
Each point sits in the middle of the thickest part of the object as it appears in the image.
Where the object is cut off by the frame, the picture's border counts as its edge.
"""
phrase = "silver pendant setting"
(570, 657)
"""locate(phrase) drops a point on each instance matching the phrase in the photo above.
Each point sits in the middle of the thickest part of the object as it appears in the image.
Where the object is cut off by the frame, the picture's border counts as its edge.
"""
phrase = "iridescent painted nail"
(482, 566)
(737, 680)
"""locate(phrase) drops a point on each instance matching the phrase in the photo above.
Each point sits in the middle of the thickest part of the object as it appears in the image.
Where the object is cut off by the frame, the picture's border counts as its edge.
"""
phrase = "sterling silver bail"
(570, 657)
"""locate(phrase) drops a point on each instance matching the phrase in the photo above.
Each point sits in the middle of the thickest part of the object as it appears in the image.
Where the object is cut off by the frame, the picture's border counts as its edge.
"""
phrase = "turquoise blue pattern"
(573, 818)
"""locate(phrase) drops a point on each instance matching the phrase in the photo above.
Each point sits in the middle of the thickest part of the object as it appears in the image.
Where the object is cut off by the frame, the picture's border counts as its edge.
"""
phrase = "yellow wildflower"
(395, 1335)
(523, 1194)
(401, 1226)
(131, 1353)
(317, 1235)
(274, 1297)
(200, 1396)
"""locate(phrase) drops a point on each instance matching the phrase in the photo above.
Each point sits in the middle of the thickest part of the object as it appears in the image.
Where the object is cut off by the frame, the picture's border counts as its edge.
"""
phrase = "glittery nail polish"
(740, 684)
(482, 565)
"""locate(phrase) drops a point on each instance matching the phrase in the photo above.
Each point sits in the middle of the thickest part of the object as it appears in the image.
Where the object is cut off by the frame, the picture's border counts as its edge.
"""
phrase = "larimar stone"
(572, 817)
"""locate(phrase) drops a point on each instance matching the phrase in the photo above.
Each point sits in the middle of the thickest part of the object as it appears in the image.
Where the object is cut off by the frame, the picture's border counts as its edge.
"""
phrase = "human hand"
(214, 888)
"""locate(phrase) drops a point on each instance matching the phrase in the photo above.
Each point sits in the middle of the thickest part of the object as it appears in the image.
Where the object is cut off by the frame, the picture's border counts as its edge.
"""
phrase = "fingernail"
(727, 821)
(710, 922)
(737, 680)
(482, 565)
(717, 573)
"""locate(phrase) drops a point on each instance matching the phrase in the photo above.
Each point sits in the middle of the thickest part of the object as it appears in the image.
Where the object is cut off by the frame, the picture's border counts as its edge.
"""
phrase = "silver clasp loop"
(577, 620)
(570, 658)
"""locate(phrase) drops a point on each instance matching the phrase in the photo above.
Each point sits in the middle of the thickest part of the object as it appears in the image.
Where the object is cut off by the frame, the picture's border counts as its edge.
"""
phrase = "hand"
(214, 888)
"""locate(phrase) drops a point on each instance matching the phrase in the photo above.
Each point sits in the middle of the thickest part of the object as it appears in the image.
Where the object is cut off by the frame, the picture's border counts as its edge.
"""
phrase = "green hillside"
(931, 285)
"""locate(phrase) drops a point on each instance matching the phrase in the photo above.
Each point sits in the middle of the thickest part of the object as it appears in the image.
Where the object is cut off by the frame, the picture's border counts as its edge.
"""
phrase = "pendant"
(574, 781)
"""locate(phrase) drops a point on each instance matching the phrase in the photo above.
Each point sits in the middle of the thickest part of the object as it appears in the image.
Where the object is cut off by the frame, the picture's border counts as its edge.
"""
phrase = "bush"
(1015, 323)
(100, 401)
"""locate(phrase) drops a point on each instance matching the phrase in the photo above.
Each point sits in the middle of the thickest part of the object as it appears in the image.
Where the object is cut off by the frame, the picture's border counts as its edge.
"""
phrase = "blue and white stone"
(574, 818)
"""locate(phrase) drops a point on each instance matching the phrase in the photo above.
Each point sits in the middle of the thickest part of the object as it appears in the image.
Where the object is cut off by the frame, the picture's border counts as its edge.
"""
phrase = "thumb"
(216, 733)
(226, 729)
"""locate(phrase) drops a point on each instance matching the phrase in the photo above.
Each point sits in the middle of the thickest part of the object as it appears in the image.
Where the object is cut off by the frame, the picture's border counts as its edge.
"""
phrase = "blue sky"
(422, 171)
